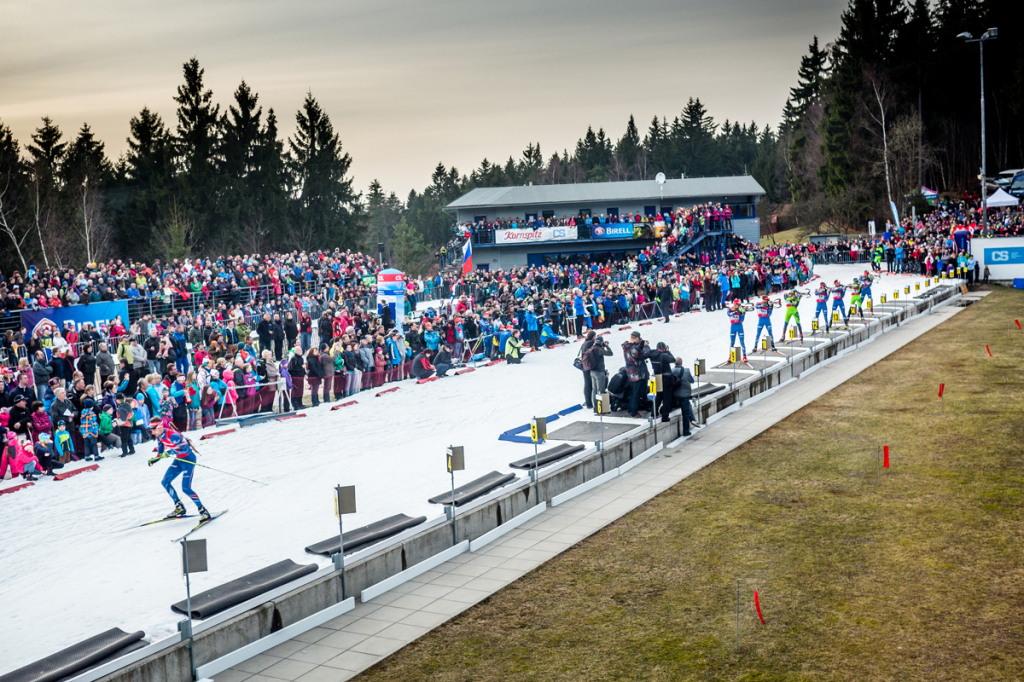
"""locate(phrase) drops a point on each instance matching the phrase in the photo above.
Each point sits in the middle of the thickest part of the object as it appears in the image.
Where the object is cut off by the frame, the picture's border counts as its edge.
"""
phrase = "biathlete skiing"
(172, 444)
(792, 301)
(838, 293)
(821, 299)
(764, 319)
(736, 313)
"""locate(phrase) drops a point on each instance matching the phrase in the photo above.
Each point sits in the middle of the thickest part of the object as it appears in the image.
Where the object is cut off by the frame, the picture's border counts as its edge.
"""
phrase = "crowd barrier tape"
(68, 474)
(16, 488)
(208, 436)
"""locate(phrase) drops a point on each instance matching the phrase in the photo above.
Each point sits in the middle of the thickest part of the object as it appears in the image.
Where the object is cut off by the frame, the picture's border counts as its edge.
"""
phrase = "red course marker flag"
(989, 350)
(885, 462)
(1018, 324)
(757, 605)
(942, 387)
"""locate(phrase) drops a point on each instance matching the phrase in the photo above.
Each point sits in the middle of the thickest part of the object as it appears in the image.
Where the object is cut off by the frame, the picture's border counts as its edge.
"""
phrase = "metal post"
(536, 473)
(455, 539)
(984, 188)
(737, 614)
(339, 563)
(188, 607)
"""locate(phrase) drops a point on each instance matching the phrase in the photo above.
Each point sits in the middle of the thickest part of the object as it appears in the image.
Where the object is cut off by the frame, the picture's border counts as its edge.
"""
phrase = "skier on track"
(792, 301)
(736, 313)
(821, 297)
(838, 293)
(172, 444)
(764, 320)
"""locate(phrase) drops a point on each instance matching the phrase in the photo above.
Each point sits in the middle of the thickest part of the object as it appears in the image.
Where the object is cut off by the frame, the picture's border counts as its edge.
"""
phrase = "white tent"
(1000, 199)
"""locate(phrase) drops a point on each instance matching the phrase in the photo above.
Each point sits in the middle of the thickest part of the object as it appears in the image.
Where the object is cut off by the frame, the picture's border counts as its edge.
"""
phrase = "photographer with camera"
(593, 363)
(661, 363)
(636, 351)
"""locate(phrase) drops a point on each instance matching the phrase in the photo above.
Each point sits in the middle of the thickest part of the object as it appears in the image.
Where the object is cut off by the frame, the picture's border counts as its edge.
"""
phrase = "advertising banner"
(612, 231)
(52, 319)
(530, 235)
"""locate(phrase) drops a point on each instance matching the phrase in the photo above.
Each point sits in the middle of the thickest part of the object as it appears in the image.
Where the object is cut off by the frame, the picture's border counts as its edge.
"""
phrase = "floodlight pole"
(990, 34)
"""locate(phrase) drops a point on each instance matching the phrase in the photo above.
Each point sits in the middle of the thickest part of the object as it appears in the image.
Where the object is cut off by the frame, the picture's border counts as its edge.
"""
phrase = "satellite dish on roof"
(660, 178)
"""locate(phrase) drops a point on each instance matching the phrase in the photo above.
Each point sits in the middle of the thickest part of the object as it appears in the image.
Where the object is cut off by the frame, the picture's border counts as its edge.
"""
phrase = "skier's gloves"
(153, 461)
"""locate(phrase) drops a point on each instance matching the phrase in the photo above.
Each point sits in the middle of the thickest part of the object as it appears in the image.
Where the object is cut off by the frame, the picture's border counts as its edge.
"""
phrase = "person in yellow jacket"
(513, 347)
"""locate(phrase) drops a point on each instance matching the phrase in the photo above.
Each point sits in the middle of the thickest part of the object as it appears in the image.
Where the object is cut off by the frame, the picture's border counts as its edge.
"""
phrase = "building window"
(650, 211)
(612, 212)
(531, 217)
(548, 214)
(479, 219)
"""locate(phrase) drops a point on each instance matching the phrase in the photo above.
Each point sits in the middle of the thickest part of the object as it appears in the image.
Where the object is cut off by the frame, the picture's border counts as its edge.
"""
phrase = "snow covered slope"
(67, 575)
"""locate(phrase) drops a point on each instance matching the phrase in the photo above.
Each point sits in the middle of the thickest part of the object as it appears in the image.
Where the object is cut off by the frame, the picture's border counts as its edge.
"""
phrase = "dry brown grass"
(919, 578)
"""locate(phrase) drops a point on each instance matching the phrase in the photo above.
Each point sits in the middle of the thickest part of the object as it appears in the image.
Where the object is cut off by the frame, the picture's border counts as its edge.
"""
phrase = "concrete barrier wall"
(172, 665)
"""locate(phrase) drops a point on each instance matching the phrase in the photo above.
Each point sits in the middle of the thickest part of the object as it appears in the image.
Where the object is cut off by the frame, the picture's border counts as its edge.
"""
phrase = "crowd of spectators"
(304, 327)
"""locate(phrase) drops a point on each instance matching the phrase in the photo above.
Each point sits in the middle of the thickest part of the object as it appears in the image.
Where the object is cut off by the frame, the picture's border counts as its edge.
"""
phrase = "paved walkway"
(343, 647)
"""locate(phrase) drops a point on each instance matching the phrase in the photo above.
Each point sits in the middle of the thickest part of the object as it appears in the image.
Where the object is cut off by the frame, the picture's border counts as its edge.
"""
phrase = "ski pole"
(220, 471)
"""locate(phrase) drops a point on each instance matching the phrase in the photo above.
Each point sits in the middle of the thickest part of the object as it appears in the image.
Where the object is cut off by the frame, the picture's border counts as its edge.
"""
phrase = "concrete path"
(341, 648)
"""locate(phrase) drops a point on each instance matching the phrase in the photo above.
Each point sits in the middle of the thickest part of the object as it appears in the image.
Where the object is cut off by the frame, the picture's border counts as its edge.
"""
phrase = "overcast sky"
(408, 84)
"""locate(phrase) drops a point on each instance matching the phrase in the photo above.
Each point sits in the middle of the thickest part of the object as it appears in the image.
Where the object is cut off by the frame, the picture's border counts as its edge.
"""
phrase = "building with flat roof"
(603, 203)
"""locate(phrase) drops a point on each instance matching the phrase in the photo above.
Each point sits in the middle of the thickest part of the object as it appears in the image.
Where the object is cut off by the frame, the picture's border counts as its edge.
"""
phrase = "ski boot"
(179, 510)
(203, 514)
(744, 358)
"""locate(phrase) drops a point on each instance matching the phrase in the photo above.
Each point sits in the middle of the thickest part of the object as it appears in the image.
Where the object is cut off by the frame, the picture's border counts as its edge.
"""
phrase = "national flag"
(467, 257)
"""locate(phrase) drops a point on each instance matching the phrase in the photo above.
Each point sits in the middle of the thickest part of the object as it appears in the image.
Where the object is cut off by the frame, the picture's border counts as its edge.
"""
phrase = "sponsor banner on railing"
(99, 314)
(527, 235)
(623, 230)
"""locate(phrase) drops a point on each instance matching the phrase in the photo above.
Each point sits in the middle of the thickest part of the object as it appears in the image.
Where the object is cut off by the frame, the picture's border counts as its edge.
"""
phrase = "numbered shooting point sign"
(883, 298)
(835, 315)
(895, 295)
(917, 287)
(906, 290)
(733, 355)
(764, 344)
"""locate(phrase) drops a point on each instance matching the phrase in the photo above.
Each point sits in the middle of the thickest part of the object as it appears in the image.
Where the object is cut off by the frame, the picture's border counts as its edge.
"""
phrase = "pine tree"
(694, 139)
(196, 143)
(14, 227)
(410, 249)
(150, 178)
(326, 209)
(810, 76)
(86, 158)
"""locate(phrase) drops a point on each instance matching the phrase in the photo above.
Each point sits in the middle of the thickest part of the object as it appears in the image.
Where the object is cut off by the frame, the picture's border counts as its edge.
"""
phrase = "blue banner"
(997, 256)
(50, 319)
(612, 231)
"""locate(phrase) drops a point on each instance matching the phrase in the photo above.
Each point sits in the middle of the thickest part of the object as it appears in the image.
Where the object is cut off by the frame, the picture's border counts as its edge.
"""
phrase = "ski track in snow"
(67, 576)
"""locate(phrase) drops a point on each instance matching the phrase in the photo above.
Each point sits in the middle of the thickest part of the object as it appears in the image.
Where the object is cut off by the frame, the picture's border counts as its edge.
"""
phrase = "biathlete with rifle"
(792, 301)
(736, 313)
(764, 319)
(172, 444)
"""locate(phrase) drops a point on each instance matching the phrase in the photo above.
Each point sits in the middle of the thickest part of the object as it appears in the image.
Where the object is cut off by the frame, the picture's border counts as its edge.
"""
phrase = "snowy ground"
(67, 576)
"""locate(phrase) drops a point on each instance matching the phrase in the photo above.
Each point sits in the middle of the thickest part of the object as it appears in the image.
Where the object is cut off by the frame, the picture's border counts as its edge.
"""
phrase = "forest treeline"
(889, 105)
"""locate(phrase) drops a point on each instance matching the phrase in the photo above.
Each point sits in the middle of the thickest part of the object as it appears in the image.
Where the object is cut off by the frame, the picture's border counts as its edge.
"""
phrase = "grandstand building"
(603, 203)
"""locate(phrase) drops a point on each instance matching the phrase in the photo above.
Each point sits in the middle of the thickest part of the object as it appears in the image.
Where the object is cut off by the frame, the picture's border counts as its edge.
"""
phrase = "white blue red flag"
(467, 257)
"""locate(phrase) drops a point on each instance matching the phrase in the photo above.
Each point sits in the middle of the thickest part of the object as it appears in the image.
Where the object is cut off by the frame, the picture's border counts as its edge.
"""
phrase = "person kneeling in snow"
(22, 462)
(421, 367)
(48, 459)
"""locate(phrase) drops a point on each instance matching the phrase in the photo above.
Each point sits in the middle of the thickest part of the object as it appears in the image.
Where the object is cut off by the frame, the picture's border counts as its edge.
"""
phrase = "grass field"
(920, 577)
